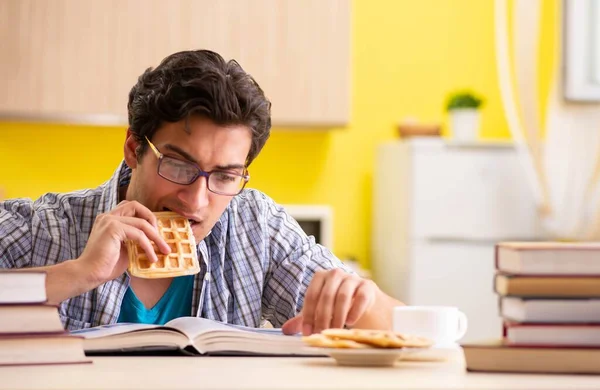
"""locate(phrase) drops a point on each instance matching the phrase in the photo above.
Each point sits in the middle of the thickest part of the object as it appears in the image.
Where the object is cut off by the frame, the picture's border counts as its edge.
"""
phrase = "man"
(196, 123)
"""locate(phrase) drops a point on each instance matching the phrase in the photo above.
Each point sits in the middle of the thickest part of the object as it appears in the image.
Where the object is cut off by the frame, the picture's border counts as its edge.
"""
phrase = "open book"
(194, 335)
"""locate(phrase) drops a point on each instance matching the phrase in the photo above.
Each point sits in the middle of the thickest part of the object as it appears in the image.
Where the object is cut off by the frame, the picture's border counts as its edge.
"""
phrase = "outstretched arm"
(335, 299)
(104, 257)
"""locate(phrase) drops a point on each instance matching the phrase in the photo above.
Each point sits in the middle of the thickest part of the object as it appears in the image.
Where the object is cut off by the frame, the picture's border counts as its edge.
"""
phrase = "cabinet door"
(476, 193)
(458, 274)
(76, 60)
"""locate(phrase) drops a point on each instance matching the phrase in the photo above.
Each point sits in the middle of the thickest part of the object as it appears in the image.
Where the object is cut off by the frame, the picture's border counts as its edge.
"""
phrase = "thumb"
(293, 325)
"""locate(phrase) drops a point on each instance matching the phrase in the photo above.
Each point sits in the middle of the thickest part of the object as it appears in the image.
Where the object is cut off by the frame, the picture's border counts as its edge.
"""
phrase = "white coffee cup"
(442, 324)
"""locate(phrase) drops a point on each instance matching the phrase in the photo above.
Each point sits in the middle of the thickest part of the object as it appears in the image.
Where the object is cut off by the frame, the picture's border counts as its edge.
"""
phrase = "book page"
(190, 326)
(275, 331)
(195, 326)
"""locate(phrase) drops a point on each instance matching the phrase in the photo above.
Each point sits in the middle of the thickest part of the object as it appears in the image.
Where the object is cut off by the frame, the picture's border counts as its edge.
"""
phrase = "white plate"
(364, 357)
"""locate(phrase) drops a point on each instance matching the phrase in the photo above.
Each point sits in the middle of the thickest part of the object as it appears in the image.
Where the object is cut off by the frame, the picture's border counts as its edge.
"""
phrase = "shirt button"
(207, 276)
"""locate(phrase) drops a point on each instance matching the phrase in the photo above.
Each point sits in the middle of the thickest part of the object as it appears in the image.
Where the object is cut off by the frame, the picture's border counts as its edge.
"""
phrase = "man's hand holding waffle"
(106, 255)
(183, 258)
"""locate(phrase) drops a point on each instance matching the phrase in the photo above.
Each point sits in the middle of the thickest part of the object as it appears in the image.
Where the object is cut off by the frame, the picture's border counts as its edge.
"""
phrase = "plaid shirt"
(256, 262)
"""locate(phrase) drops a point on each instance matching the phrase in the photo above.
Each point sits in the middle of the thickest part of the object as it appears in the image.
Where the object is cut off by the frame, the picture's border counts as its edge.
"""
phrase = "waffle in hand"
(183, 259)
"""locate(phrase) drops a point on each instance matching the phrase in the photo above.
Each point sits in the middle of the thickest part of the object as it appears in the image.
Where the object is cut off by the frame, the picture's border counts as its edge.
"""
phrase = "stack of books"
(549, 301)
(31, 331)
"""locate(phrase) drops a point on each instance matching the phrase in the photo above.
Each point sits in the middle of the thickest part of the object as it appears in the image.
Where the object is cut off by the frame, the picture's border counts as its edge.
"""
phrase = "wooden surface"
(76, 61)
(271, 373)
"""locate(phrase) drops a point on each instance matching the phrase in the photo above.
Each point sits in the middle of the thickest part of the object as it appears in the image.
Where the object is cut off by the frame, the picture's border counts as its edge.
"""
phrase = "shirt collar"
(110, 193)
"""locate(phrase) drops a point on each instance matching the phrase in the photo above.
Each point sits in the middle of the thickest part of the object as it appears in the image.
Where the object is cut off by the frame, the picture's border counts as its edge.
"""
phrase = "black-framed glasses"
(183, 172)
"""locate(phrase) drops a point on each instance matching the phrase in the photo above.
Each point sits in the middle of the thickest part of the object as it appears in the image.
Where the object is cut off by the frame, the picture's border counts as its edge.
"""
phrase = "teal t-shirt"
(176, 302)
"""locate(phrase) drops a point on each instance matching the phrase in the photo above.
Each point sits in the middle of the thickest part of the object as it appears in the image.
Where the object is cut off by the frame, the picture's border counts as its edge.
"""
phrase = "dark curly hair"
(198, 82)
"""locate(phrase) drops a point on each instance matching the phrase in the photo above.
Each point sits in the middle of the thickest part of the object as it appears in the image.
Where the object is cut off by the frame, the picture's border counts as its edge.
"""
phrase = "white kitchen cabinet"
(438, 210)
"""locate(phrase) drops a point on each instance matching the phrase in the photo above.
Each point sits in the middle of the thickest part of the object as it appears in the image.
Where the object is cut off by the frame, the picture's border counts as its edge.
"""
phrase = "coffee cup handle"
(462, 326)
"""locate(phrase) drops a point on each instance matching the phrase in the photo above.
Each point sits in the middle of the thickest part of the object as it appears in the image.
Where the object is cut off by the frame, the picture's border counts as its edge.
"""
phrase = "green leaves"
(463, 99)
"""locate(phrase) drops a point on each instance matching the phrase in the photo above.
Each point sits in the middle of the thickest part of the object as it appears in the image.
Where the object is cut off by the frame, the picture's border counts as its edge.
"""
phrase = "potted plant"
(464, 110)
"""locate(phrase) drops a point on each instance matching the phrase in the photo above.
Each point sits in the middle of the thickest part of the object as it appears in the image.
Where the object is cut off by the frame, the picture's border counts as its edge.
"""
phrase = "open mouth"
(193, 222)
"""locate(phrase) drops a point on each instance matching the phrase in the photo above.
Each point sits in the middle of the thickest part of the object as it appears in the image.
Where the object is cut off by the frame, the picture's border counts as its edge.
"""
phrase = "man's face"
(207, 145)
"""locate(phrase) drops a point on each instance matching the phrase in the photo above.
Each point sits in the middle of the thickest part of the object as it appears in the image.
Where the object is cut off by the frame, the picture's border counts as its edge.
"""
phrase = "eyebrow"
(190, 158)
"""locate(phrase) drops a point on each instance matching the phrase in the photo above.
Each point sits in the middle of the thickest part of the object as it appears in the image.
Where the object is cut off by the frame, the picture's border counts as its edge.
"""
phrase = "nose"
(195, 195)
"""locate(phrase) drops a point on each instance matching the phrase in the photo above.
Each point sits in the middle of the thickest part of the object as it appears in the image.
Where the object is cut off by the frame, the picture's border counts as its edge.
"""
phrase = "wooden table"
(270, 373)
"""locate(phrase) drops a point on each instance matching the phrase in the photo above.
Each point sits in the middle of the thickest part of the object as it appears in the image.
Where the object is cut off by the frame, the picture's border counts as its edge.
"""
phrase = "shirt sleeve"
(32, 234)
(294, 259)
(15, 233)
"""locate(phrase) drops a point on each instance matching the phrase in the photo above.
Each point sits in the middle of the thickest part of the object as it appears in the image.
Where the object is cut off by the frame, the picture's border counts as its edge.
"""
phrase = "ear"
(129, 150)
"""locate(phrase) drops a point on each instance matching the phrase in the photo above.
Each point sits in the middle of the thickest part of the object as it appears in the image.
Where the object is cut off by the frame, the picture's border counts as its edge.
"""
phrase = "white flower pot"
(464, 123)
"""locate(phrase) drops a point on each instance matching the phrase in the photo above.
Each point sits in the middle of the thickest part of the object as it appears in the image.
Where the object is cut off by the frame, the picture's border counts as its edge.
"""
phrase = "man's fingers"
(324, 311)
(141, 232)
(343, 302)
(150, 231)
(135, 209)
(335, 298)
(132, 233)
(311, 299)
(361, 302)
(293, 325)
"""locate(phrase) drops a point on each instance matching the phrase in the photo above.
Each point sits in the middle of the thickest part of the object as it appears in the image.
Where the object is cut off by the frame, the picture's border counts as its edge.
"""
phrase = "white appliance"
(438, 210)
(315, 220)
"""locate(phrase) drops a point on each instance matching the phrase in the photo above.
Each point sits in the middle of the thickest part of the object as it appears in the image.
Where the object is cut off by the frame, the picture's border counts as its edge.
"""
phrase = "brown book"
(547, 287)
(25, 349)
(548, 258)
(497, 357)
(30, 319)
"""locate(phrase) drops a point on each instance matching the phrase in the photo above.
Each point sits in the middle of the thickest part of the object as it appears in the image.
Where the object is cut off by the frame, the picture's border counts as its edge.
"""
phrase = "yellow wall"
(407, 55)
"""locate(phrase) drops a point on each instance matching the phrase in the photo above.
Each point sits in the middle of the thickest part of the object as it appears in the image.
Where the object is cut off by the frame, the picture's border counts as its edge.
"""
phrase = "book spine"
(496, 250)
(32, 335)
(31, 303)
(495, 285)
(558, 325)
(500, 299)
